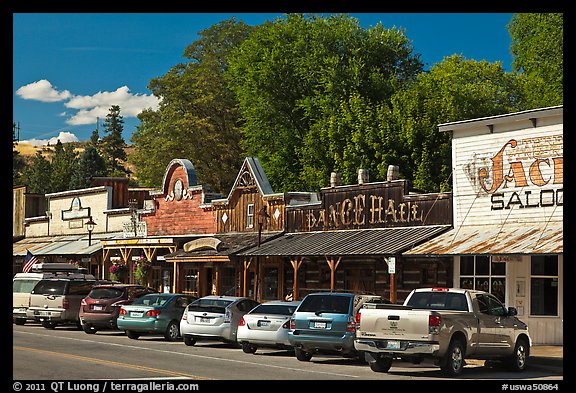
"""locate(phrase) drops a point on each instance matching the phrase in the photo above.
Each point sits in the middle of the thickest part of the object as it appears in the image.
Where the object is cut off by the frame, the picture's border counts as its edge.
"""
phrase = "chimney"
(363, 176)
(392, 173)
(335, 179)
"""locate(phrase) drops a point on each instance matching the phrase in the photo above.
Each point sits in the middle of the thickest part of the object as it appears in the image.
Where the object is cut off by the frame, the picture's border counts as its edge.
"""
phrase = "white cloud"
(98, 105)
(89, 108)
(43, 91)
(63, 136)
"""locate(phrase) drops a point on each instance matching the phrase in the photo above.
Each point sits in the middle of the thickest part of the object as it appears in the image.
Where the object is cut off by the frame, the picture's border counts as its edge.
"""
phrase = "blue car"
(157, 313)
(325, 322)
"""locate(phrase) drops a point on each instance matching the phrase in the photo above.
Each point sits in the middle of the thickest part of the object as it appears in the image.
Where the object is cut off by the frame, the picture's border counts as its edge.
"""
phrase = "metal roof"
(539, 238)
(60, 245)
(381, 241)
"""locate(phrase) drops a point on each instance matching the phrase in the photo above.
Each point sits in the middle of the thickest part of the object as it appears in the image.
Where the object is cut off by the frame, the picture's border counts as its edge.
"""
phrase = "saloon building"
(508, 186)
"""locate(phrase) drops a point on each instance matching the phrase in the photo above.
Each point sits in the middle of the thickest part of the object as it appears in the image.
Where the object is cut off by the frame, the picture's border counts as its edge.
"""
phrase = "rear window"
(209, 305)
(439, 301)
(24, 286)
(152, 300)
(274, 309)
(105, 293)
(49, 287)
(335, 304)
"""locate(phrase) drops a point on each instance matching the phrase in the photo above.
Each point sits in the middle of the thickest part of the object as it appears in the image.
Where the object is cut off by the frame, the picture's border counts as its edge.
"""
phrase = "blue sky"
(68, 69)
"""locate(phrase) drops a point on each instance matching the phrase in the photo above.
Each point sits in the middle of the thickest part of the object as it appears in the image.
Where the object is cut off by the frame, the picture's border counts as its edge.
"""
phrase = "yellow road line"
(110, 363)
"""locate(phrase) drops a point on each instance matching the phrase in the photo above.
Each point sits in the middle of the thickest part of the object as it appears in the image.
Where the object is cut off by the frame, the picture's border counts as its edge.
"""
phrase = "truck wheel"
(453, 362)
(519, 360)
(302, 355)
(381, 364)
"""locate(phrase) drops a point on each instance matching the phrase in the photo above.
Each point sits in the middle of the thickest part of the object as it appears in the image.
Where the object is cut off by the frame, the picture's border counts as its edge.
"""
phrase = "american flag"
(30, 260)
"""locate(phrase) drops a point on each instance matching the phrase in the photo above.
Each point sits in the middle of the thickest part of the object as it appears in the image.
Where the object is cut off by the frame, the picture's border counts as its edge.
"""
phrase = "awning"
(381, 241)
(226, 245)
(60, 245)
(541, 238)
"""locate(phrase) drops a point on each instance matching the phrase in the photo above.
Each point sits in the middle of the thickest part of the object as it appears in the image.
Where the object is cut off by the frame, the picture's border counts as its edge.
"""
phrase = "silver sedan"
(266, 325)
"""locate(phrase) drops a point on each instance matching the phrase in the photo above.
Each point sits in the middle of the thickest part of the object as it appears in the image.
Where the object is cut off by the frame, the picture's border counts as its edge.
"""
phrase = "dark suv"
(325, 322)
(99, 310)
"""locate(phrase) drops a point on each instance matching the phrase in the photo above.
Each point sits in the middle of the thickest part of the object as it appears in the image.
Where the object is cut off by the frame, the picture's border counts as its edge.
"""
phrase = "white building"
(508, 195)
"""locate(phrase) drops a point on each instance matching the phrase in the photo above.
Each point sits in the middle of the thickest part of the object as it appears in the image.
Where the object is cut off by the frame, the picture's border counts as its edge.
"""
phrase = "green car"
(156, 313)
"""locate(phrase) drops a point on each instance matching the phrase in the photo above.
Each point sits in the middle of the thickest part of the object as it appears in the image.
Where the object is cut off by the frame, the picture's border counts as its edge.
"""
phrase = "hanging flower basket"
(118, 271)
(141, 269)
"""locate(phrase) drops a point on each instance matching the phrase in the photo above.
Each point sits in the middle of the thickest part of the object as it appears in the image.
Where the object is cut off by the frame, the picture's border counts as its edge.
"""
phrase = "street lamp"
(90, 226)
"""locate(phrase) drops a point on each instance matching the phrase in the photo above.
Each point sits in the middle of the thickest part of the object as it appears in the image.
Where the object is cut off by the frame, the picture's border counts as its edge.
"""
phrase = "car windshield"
(105, 293)
(210, 305)
(326, 303)
(49, 287)
(152, 300)
(274, 309)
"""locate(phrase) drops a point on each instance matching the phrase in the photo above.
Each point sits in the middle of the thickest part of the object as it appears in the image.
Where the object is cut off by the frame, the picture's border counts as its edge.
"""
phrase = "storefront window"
(544, 285)
(190, 282)
(227, 282)
(270, 288)
(480, 273)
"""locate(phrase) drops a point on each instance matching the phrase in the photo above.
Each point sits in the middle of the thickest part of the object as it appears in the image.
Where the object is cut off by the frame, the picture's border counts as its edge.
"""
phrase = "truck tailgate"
(402, 324)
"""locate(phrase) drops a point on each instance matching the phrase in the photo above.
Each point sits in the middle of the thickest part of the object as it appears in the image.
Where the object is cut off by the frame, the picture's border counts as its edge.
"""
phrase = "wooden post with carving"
(333, 264)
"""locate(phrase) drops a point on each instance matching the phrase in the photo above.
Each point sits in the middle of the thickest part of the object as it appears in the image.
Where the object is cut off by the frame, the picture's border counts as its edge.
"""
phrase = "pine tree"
(112, 144)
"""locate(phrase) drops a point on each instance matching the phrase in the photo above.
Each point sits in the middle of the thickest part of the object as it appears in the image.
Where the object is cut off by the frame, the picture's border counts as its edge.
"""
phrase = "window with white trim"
(250, 216)
(481, 273)
(544, 285)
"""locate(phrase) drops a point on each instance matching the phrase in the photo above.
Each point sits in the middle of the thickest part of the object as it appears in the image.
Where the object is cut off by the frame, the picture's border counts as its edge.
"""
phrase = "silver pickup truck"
(446, 325)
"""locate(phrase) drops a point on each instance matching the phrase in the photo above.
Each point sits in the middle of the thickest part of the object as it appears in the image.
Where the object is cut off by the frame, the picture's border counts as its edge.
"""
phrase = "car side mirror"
(512, 311)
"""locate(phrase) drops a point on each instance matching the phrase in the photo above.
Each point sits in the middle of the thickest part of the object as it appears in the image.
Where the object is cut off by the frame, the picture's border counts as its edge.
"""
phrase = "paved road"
(70, 354)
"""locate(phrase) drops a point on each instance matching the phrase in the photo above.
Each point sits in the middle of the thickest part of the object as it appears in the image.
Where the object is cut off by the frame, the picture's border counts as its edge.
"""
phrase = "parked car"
(23, 283)
(56, 301)
(214, 318)
(154, 313)
(266, 325)
(325, 322)
(100, 309)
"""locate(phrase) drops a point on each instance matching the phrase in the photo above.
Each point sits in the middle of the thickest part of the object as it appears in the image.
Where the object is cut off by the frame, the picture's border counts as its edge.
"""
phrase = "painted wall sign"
(76, 211)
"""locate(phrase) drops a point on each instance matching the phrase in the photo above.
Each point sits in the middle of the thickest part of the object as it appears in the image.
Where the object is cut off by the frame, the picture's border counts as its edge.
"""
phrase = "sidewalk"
(547, 355)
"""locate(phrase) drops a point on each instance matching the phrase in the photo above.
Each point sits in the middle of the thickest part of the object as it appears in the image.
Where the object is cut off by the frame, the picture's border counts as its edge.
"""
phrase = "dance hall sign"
(376, 205)
(523, 173)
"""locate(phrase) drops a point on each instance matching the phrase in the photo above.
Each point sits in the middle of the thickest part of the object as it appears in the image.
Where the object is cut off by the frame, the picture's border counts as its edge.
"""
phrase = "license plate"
(98, 307)
(394, 344)
(263, 323)
(319, 325)
(44, 313)
(136, 314)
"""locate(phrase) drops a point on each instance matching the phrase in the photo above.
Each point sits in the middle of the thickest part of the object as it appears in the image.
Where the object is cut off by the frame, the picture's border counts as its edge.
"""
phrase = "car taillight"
(440, 289)
(65, 304)
(123, 311)
(351, 324)
(153, 313)
(83, 302)
(358, 320)
(434, 322)
(292, 323)
(185, 315)
(242, 322)
(227, 316)
(286, 325)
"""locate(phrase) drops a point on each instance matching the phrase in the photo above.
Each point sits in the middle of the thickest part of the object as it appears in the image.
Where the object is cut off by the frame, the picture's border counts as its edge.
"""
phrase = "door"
(488, 324)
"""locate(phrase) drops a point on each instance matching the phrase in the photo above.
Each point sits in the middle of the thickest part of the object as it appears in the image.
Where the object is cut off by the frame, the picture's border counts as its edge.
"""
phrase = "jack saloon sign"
(524, 173)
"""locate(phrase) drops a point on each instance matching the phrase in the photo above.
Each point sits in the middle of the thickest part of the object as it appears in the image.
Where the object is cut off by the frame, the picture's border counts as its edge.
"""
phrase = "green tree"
(538, 51)
(90, 164)
(112, 144)
(63, 164)
(454, 89)
(198, 117)
(37, 175)
(304, 84)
